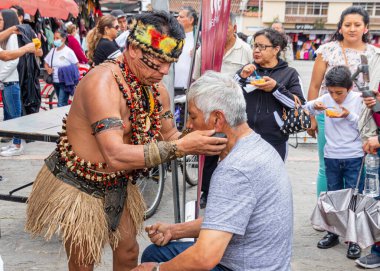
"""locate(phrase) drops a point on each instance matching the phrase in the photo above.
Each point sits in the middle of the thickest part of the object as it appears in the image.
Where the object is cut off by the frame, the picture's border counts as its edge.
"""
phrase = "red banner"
(215, 17)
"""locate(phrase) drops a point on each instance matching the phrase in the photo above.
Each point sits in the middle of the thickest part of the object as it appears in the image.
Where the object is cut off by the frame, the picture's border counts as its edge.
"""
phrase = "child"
(343, 151)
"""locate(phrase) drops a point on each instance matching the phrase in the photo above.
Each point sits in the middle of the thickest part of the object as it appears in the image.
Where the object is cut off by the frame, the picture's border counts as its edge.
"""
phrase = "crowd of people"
(86, 189)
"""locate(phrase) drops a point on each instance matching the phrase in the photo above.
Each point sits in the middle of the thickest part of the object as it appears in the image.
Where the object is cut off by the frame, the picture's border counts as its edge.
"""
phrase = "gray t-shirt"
(250, 196)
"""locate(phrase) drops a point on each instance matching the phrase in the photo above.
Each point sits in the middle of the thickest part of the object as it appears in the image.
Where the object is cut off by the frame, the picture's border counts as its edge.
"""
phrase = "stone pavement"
(20, 252)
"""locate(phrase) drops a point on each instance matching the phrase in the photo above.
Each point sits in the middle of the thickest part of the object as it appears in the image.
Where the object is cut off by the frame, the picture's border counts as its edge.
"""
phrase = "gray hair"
(217, 91)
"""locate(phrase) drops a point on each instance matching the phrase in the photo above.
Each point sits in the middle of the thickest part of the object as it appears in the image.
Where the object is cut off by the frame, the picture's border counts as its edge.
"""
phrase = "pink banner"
(215, 17)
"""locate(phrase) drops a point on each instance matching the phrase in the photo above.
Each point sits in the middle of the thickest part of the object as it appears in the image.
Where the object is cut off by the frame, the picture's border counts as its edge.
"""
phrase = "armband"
(167, 115)
(107, 124)
(160, 152)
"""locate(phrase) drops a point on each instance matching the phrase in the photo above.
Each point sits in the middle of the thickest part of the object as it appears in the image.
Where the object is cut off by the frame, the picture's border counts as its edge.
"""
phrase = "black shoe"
(329, 240)
(203, 200)
(5, 139)
(353, 251)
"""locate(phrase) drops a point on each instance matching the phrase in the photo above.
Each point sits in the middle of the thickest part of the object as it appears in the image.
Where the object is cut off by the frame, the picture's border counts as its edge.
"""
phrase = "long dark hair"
(352, 10)
(10, 19)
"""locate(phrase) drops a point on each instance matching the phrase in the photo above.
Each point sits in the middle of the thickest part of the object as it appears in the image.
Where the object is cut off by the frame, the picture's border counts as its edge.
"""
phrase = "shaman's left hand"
(269, 84)
(145, 267)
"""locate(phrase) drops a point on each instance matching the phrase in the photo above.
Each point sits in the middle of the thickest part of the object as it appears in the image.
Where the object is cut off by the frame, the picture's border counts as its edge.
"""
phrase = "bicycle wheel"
(53, 99)
(191, 176)
(151, 188)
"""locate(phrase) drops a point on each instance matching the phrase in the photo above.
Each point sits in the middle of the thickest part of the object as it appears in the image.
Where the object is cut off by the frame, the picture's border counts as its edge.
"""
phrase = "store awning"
(47, 8)
(125, 5)
(311, 31)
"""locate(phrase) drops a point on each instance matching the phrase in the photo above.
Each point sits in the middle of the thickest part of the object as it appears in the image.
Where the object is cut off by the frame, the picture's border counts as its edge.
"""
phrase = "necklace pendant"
(147, 124)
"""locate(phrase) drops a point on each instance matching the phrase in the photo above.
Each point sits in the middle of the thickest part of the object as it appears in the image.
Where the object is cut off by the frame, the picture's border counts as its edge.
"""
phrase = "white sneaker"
(13, 151)
(7, 147)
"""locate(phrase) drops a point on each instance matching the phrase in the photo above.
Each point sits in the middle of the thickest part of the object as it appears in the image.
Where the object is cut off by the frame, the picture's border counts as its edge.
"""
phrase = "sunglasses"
(116, 27)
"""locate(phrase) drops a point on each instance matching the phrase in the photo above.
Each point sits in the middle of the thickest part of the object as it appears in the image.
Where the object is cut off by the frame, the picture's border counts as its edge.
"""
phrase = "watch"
(157, 267)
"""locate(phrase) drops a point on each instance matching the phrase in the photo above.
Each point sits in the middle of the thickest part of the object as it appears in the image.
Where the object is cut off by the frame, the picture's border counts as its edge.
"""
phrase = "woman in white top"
(348, 43)
(10, 79)
(60, 56)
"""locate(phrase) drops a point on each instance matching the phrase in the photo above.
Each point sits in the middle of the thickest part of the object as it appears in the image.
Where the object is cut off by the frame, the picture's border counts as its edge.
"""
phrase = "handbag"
(295, 119)
(48, 78)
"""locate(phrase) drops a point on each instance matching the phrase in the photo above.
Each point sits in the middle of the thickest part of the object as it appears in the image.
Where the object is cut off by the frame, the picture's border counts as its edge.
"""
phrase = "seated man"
(248, 221)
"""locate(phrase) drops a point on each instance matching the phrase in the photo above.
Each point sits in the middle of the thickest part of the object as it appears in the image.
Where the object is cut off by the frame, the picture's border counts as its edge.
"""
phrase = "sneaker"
(370, 261)
(13, 151)
(7, 147)
(5, 139)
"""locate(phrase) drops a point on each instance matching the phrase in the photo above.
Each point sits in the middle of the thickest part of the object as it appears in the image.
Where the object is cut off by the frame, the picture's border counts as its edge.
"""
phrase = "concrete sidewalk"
(20, 252)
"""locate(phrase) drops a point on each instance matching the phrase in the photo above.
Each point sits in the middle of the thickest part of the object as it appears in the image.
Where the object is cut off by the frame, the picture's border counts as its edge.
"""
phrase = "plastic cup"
(37, 43)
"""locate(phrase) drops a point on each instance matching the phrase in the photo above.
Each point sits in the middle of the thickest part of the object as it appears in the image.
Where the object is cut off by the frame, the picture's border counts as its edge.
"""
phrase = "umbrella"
(353, 216)
(47, 8)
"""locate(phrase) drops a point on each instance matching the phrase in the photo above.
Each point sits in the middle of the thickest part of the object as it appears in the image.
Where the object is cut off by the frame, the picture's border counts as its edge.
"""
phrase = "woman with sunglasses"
(275, 90)
(101, 40)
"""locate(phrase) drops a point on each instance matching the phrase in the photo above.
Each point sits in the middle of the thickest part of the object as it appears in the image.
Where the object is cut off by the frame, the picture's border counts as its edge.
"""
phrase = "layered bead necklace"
(145, 121)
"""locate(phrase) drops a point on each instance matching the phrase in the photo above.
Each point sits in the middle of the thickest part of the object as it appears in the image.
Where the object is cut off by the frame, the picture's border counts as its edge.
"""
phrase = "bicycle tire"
(53, 99)
(191, 176)
(152, 188)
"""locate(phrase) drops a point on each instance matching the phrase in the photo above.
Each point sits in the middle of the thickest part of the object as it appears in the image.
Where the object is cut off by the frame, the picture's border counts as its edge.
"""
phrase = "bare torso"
(97, 97)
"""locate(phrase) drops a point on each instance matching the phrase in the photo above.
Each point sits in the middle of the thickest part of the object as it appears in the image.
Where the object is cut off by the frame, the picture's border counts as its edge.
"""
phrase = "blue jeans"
(63, 96)
(158, 254)
(343, 173)
(12, 104)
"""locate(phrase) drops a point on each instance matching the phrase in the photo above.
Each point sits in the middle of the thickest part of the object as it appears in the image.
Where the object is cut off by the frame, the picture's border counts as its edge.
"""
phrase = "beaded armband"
(107, 124)
(160, 152)
(185, 132)
(167, 115)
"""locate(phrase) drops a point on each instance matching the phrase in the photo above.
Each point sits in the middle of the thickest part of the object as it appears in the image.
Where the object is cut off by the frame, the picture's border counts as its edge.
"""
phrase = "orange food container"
(332, 113)
(37, 43)
(258, 81)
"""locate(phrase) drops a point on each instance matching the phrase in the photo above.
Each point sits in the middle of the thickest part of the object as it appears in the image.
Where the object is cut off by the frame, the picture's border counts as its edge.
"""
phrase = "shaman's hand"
(201, 142)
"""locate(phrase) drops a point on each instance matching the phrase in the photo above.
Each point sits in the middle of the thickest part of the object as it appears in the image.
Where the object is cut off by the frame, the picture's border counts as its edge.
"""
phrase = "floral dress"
(332, 53)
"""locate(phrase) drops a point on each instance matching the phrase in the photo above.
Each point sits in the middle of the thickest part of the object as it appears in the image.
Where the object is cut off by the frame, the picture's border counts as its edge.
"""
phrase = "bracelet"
(161, 152)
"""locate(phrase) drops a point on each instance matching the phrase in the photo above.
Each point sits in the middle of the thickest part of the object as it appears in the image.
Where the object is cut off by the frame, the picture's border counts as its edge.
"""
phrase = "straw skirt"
(57, 207)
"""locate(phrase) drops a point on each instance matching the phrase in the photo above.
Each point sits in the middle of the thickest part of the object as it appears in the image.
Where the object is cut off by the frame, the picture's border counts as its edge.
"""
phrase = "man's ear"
(219, 121)
(132, 51)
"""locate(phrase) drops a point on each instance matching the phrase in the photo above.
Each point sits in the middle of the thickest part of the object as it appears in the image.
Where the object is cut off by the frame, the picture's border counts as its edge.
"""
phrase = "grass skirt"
(57, 207)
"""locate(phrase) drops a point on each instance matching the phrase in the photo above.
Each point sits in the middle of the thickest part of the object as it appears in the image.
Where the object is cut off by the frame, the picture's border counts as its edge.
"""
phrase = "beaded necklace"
(145, 125)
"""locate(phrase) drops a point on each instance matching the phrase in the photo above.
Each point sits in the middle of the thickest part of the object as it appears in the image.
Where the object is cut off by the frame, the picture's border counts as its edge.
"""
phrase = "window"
(373, 9)
(309, 8)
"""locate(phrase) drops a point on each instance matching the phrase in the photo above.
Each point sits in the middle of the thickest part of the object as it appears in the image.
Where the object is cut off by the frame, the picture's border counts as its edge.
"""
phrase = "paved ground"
(20, 252)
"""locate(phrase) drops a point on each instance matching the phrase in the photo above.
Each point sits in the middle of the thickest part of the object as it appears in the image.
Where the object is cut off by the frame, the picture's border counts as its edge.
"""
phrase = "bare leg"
(126, 254)
(73, 262)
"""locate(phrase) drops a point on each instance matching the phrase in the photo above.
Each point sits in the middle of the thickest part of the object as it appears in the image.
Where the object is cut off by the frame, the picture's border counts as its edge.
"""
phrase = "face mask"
(57, 43)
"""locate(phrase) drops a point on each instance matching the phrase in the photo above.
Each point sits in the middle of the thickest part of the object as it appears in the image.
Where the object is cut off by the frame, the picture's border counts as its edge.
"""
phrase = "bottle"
(371, 183)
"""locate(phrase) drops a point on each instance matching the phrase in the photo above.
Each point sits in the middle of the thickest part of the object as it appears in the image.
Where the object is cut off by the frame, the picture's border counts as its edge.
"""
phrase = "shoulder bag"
(49, 77)
(295, 119)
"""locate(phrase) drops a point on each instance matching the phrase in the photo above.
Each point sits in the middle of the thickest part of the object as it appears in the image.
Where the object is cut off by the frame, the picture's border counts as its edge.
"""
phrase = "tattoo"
(167, 115)
(107, 124)
(149, 63)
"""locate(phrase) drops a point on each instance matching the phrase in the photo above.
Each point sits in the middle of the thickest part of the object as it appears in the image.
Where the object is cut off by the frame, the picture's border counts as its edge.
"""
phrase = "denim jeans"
(63, 96)
(343, 173)
(158, 254)
(12, 104)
